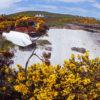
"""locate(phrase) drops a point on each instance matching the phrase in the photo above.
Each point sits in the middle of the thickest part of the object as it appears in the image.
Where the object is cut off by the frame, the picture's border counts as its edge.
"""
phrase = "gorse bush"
(10, 23)
(77, 79)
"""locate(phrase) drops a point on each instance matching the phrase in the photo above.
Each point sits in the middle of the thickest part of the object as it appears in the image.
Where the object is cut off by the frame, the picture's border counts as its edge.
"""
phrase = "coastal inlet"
(57, 45)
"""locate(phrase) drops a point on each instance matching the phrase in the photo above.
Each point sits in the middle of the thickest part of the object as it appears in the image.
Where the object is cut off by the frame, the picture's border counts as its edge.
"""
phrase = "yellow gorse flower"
(98, 85)
(32, 98)
(86, 81)
(21, 88)
(21, 76)
(43, 82)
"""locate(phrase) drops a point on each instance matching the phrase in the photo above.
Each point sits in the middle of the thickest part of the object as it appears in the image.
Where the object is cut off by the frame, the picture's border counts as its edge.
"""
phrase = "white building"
(39, 15)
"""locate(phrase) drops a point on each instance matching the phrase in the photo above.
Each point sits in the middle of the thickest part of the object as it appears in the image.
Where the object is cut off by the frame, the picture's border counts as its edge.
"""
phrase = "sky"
(87, 8)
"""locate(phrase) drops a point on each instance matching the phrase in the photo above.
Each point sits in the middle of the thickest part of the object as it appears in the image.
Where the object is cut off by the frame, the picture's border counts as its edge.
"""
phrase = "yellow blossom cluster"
(21, 88)
(68, 82)
(39, 21)
(6, 24)
(12, 22)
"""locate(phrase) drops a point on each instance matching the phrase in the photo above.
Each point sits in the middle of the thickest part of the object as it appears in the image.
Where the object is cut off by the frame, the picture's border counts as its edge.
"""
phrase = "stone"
(81, 50)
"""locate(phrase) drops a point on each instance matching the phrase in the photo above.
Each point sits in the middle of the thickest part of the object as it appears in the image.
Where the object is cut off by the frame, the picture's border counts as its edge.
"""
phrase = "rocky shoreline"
(77, 26)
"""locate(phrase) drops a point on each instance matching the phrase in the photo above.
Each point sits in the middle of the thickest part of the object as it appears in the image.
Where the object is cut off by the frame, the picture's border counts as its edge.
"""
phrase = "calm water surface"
(62, 40)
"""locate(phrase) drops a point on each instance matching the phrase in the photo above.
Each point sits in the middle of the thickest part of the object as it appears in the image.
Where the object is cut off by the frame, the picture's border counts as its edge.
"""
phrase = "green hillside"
(55, 19)
(46, 14)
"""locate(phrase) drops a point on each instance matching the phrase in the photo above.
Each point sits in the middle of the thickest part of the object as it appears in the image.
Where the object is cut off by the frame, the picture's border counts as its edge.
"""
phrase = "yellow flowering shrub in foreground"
(77, 79)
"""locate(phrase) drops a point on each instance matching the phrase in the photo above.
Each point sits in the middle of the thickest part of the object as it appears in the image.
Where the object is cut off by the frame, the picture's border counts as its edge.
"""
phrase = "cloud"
(77, 1)
(96, 5)
(73, 10)
(8, 3)
(72, 1)
(76, 9)
(81, 7)
(42, 6)
(36, 7)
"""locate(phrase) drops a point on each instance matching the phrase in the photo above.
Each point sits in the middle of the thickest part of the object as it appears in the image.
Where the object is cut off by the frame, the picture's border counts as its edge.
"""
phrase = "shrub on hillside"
(77, 79)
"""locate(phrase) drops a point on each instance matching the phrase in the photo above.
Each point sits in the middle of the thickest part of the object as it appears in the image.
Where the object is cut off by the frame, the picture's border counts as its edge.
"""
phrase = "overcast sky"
(89, 8)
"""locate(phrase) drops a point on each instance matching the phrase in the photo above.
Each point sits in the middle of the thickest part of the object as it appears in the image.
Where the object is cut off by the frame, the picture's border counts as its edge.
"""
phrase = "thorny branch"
(29, 60)
(33, 53)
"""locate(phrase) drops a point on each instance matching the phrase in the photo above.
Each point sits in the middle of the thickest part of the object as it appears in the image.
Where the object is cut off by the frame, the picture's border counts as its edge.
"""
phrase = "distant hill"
(46, 14)
(56, 19)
